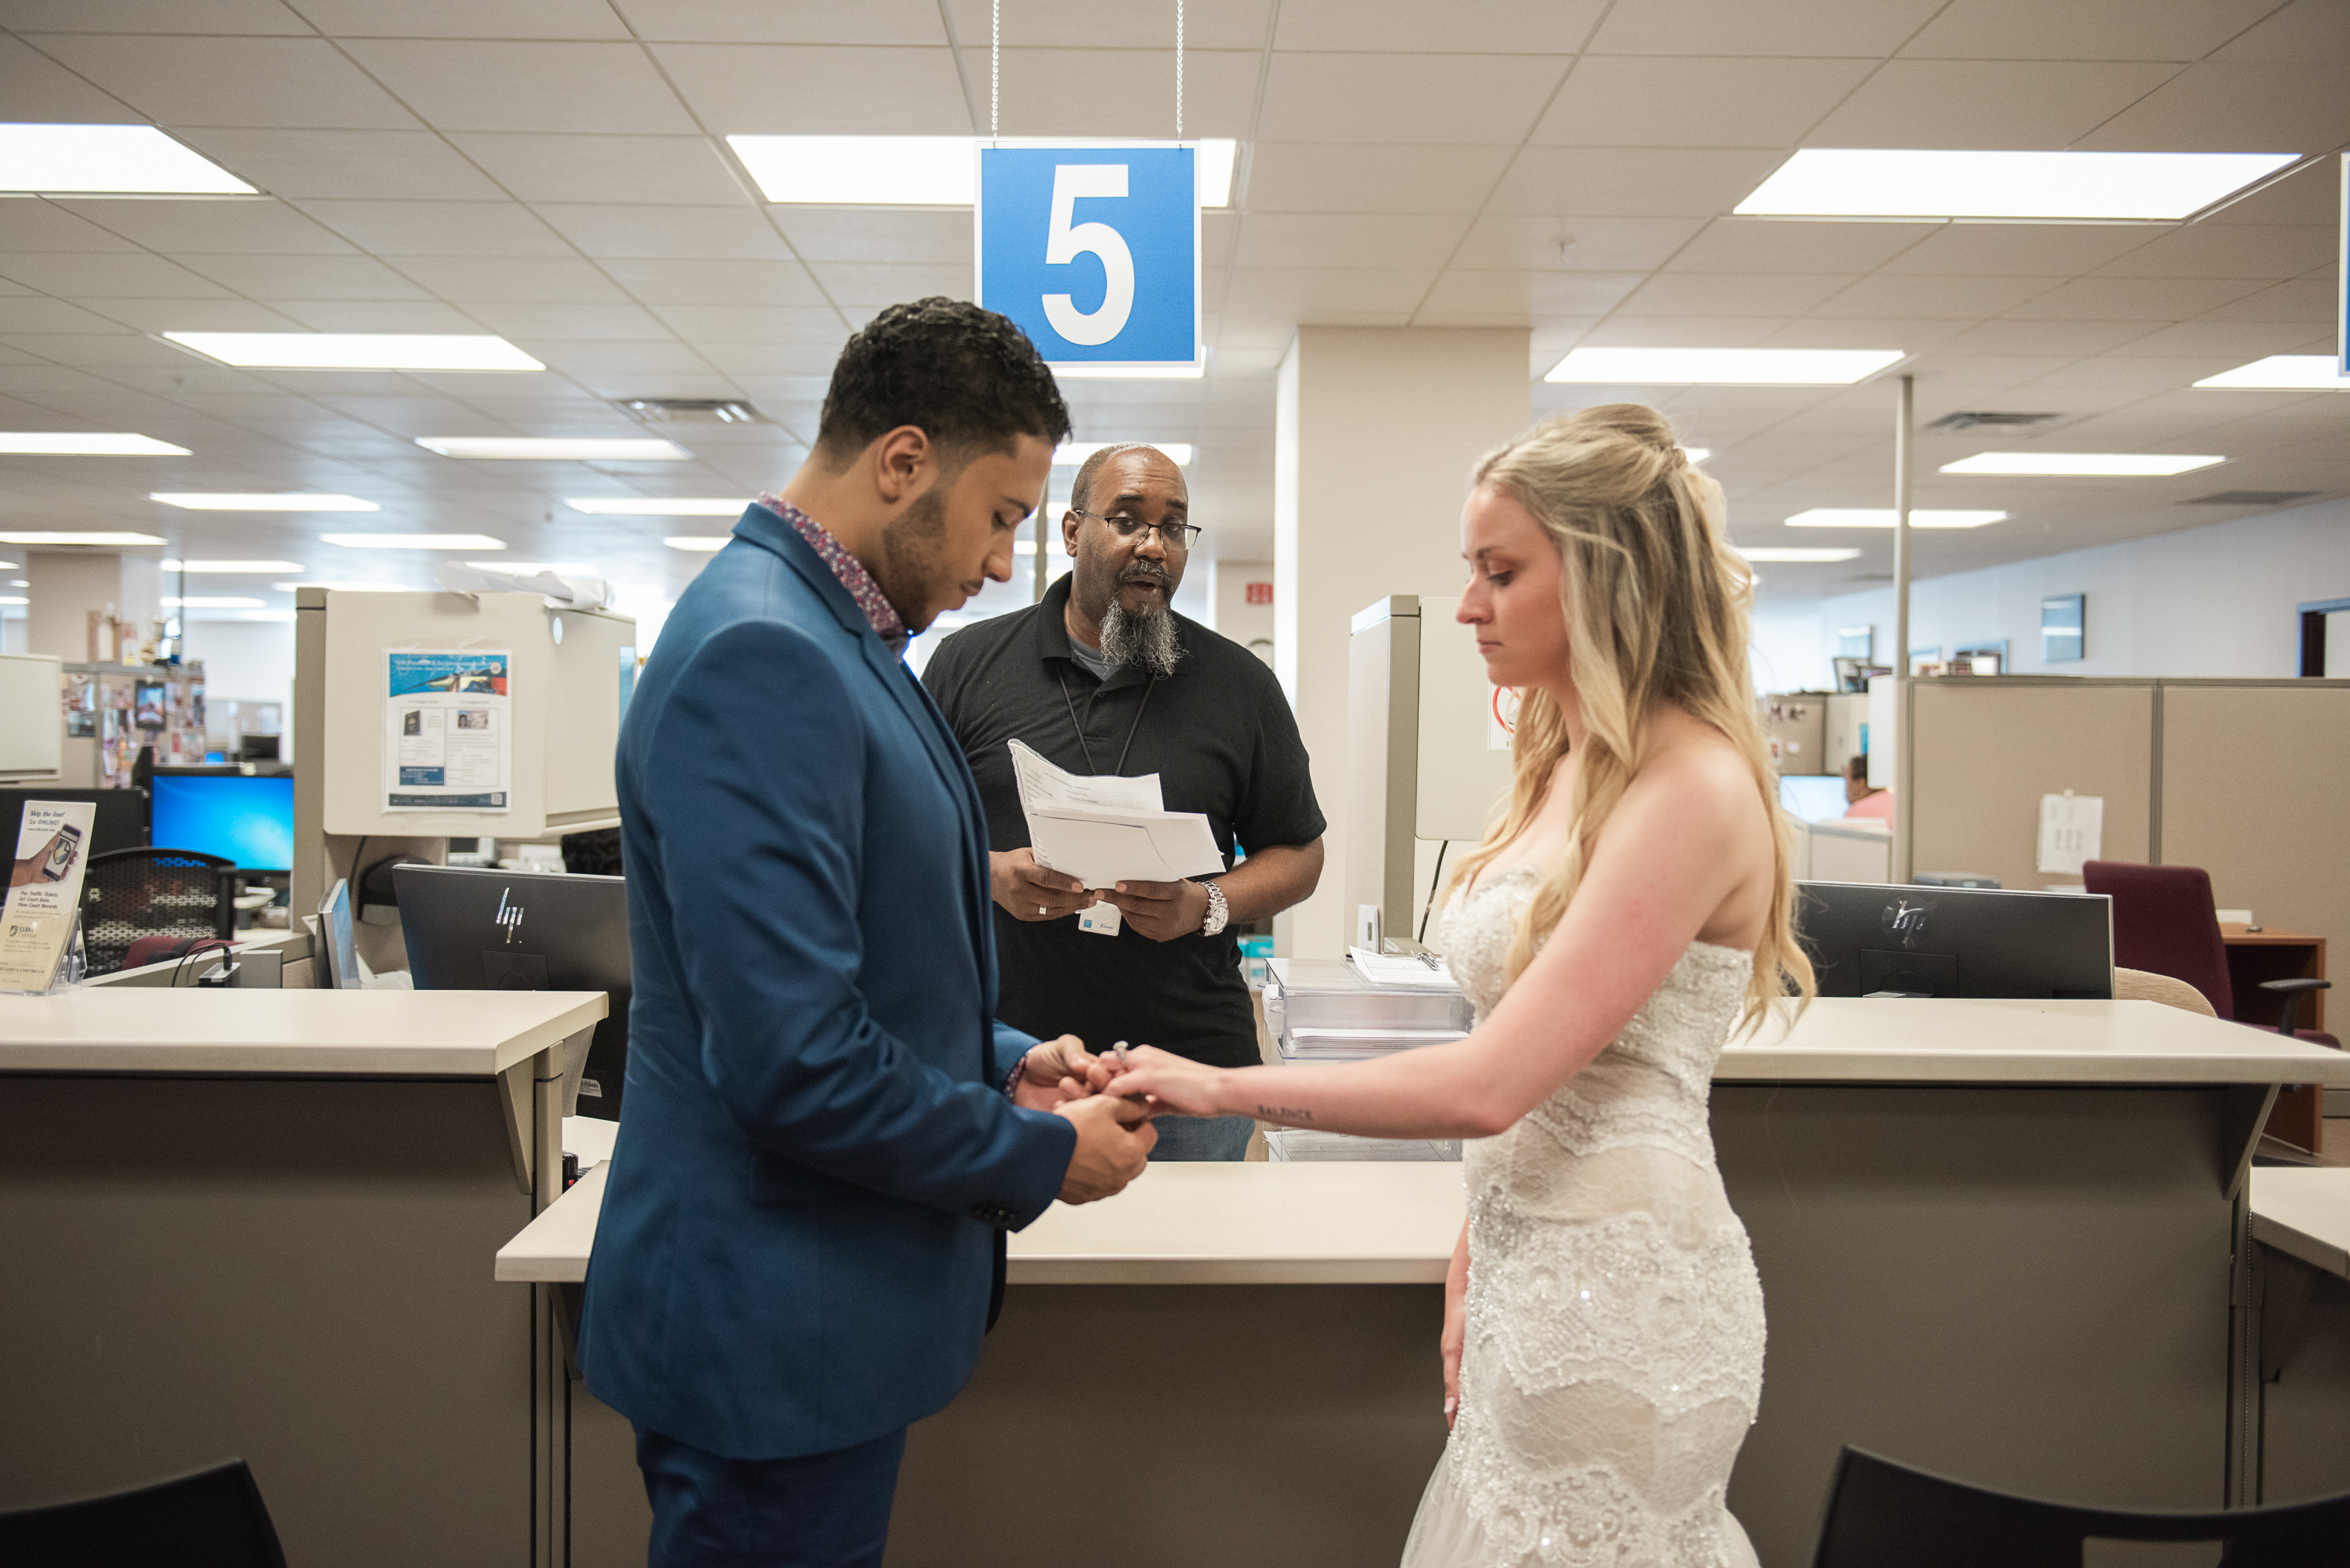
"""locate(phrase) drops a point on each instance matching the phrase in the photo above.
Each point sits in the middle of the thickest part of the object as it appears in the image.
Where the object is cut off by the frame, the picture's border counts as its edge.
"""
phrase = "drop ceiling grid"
(662, 273)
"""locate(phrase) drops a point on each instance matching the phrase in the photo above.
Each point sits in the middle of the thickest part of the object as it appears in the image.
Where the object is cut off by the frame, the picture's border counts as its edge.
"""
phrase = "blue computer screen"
(1807, 797)
(246, 819)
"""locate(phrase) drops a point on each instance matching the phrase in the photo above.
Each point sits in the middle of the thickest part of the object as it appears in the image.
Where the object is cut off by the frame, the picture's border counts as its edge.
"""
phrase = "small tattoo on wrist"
(1284, 1114)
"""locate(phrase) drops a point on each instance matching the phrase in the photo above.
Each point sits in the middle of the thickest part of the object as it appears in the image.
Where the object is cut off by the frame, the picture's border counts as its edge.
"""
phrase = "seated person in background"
(1861, 798)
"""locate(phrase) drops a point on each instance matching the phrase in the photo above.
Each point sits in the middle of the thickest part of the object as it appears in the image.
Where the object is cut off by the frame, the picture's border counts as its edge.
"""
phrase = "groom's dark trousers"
(803, 1220)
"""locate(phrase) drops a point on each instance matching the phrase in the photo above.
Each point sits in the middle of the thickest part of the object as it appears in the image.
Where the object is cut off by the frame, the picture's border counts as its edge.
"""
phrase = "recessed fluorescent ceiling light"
(2114, 464)
(659, 506)
(1883, 518)
(17, 536)
(1724, 367)
(1082, 371)
(108, 159)
(701, 543)
(232, 565)
(908, 171)
(1070, 453)
(558, 448)
(1856, 182)
(2284, 373)
(560, 568)
(13, 599)
(357, 350)
(216, 603)
(1697, 453)
(79, 443)
(346, 588)
(414, 541)
(1792, 553)
(272, 502)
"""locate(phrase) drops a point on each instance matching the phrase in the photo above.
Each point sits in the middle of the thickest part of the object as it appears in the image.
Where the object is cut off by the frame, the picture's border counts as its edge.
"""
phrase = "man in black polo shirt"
(1103, 677)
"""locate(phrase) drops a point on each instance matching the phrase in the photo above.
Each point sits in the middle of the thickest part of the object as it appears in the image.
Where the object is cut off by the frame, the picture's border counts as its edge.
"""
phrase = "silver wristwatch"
(1219, 912)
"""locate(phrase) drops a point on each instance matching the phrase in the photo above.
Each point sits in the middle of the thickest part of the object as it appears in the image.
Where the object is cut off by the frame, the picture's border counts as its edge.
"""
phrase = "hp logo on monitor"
(509, 917)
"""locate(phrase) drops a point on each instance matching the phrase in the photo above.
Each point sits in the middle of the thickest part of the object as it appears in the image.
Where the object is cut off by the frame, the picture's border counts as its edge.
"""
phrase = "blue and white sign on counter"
(1094, 251)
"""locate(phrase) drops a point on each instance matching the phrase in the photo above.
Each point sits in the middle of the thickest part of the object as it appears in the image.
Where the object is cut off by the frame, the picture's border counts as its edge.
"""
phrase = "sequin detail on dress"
(1614, 1358)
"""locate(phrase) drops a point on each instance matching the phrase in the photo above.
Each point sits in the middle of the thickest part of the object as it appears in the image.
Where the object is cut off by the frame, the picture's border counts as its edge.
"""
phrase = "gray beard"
(1147, 642)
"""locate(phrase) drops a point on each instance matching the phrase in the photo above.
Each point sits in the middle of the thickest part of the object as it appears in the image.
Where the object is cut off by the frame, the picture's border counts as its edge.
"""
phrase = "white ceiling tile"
(231, 81)
(877, 283)
(769, 22)
(1354, 295)
(307, 277)
(1455, 99)
(1526, 295)
(1909, 334)
(465, 279)
(1514, 241)
(2149, 373)
(583, 323)
(439, 228)
(2043, 250)
(708, 324)
(2131, 299)
(206, 314)
(878, 234)
(674, 169)
(1868, 28)
(751, 358)
(1732, 294)
(247, 17)
(380, 316)
(1684, 331)
(385, 164)
(1987, 104)
(1338, 240)
(2268, 106)
(39, 91)
(2179, 30)
(114, 275)
(1692, 101)
(687, 233)
(1219, 91)
(1949, 298)
(2274, 251)
(2307, 301)
(464, 19)
(1341, 177)
(198, 228)
(787, 90)
(543, 87)
(1748, 245)
(1631, 181)
(2302, 31)
(1087, 25)
(1498, 26)
(2243, 341)
(702, 282)
(37, 225)
(24, 314)
(2305, 195)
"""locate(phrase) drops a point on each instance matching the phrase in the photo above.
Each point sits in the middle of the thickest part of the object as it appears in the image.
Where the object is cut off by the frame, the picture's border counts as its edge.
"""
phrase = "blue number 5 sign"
(1094, 251)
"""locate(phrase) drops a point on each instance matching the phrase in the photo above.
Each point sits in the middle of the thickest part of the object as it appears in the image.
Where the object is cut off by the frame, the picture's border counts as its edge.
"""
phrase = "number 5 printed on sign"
(1064, 244)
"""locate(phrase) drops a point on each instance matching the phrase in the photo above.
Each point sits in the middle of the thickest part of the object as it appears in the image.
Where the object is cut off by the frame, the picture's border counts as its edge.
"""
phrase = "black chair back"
(1887, 1515)
(211, 1519)
(132, 893)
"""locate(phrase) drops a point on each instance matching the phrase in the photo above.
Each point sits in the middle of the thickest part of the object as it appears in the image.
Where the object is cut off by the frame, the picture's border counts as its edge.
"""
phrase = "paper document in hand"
(1102, 847)
(1042, 784)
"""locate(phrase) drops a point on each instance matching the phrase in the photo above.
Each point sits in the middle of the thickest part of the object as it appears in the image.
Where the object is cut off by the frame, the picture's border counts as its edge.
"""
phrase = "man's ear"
(903, 462)
(1070, 523)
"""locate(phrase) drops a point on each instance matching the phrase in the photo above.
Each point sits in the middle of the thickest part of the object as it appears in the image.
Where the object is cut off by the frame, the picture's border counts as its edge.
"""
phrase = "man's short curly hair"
(966, 378)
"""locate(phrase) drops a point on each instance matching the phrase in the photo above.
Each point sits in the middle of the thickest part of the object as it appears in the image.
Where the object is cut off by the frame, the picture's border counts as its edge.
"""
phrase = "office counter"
(253, 1223)
(1997, 1239)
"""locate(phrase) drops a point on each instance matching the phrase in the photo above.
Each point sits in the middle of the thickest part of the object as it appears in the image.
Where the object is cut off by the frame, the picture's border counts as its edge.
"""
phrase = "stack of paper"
(1104, 831)
(1297, 1143)
(1406, 972)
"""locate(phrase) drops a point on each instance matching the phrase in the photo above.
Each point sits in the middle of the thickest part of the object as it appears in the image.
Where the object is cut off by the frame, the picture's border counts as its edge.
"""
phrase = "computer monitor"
(246, 819)
(120, 821)
(336, 937)
(1813, 798)
(484, 929)
(1868, 939)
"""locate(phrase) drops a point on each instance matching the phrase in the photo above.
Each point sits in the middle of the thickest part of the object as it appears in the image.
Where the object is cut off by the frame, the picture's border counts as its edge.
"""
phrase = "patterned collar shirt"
(879, 613)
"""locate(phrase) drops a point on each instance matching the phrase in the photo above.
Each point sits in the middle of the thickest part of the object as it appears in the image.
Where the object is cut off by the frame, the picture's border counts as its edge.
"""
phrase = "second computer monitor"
(1870, 939)
(483, 930)
(244, 819)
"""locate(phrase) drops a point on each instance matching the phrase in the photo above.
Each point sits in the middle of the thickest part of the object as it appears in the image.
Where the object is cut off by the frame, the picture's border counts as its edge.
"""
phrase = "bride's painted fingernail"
(1451, 1405)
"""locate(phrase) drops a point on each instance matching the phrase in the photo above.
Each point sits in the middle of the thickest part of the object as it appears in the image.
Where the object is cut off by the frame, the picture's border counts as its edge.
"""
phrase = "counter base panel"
(2306, 1394)
(288, 1272)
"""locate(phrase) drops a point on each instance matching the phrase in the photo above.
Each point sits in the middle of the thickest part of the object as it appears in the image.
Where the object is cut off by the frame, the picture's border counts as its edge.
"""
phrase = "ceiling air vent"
(693, 411)
(2252, 498)
(1975, 419)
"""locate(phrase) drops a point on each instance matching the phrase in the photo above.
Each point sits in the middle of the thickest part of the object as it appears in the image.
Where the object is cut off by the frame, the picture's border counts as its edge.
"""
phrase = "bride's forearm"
(1436, 1091)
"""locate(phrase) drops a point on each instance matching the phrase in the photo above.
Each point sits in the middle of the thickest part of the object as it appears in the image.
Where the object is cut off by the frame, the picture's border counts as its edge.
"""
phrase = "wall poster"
(448, 742)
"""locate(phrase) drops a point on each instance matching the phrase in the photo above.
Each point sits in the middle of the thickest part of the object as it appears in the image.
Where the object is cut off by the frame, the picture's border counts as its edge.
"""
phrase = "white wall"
(1236, 618)
(249, 660)
(1784, 655)
(2204, 602)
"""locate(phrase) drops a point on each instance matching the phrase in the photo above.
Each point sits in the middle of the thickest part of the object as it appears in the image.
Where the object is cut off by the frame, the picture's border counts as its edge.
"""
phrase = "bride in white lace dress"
(1603, 1340)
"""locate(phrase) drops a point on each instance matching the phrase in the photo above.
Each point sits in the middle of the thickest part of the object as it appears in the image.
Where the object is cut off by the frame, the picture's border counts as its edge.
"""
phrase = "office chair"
(1886, 1515)
(211, 1519)
(128, 894)
(2165, 920)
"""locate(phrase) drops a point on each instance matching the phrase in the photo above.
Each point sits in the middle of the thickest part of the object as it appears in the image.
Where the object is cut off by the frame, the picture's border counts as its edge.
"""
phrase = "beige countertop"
(2305, 1210)
(369, 1034)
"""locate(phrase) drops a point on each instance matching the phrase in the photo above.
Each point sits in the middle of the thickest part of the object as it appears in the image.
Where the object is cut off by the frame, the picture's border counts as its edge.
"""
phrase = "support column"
(1378, 428)
(66, 585)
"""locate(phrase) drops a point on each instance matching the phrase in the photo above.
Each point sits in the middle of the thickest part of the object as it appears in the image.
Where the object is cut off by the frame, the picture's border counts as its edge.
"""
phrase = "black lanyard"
(1070, 703)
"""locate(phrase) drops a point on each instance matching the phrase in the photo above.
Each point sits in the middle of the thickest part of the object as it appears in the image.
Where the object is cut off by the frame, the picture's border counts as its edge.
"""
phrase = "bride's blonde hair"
(1656, 607)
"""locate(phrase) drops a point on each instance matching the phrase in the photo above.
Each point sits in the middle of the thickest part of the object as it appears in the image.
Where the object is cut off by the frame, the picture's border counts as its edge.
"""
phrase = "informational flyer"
(2072, 831)
(448, 742)
(44, 892)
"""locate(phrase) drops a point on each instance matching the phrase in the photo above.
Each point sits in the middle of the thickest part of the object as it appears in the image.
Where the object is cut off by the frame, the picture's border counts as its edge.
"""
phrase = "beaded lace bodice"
(1614, 1357)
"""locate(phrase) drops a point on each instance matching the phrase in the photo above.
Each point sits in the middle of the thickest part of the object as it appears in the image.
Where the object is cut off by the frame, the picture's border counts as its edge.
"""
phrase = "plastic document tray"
(1356, 1045)
(1296, 1143)
(1328, 993)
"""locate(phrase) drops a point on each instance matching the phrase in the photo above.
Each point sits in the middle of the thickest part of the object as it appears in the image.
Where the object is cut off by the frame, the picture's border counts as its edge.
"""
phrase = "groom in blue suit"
(827, 1135)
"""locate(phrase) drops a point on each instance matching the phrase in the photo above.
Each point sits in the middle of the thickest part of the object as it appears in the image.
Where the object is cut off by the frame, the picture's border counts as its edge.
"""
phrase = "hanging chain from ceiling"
(995, 72)
(1179, 70)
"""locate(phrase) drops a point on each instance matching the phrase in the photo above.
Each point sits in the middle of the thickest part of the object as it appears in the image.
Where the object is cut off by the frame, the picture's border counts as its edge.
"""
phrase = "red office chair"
(2165, 920)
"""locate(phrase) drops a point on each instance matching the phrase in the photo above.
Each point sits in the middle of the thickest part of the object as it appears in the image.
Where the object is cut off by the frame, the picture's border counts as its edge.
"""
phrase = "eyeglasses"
(1175, 537)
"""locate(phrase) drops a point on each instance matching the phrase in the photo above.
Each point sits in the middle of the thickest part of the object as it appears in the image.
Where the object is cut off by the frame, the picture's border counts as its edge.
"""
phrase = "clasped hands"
(1028, 891)
(1110, 1105)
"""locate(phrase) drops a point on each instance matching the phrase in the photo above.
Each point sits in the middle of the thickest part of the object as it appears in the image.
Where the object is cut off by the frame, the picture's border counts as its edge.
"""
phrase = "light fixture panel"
(1893, 182)
(1794, 553)
(85, 443)
(1071, 453)
(698, 544)
(1722, 367)
(1884, 517)
(659, 505)
(97, 537)
(413, 541)
(2081, 464)
(231, 567)
(107, 161)
(557, 449)
(2284, 373)
(357, 350)
(208, 502)
(909, 171)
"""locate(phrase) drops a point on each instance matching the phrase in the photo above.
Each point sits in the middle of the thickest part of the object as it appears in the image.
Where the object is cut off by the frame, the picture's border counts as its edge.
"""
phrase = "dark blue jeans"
(818, 1511)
